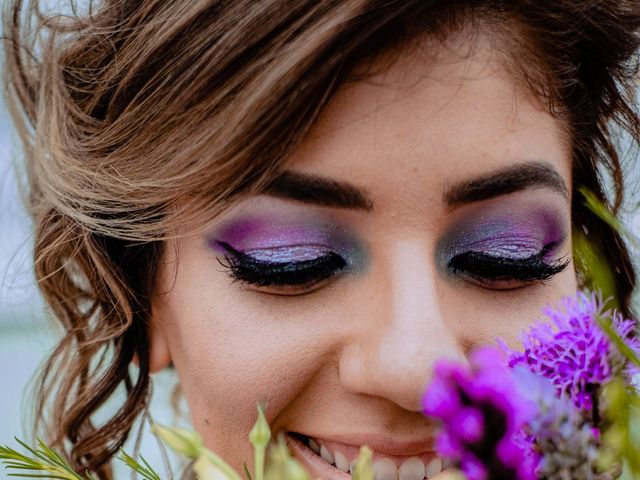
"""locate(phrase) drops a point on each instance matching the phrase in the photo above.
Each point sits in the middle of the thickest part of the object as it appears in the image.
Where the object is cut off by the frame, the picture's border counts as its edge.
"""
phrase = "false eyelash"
(245, 268)
(482, 266)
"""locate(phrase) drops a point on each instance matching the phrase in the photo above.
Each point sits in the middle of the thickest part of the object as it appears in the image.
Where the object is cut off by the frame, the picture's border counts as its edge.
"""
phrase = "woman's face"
(427, 213)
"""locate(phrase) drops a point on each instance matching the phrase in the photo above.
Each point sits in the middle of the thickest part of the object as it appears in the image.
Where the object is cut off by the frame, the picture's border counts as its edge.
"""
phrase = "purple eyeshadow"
(256, 234)
(517, 234)
(286, 240)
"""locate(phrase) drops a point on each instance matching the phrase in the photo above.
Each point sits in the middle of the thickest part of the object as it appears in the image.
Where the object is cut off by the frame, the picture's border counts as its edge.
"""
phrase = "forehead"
(431, 73)
(434, 112)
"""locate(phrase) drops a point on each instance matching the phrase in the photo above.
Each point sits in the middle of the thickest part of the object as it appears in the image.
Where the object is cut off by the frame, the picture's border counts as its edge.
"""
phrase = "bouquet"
(564, 407)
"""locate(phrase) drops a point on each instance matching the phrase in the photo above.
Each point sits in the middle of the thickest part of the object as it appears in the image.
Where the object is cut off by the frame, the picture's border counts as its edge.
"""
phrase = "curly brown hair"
(111, 101)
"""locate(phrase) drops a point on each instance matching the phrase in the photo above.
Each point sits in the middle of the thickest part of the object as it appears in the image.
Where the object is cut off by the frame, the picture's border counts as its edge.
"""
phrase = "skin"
(351, 358)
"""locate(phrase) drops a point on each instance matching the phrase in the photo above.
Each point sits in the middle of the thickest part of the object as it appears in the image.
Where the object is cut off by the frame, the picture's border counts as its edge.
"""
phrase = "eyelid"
(289, 253)
(291, 274)
(487, 270)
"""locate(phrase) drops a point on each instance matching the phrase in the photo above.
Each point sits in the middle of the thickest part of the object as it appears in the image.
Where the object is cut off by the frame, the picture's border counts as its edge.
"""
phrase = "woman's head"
(382, 153)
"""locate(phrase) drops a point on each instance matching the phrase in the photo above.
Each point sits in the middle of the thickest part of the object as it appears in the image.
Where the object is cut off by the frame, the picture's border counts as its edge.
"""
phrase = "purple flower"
(483, 414)
(573, 351)
(563, 440)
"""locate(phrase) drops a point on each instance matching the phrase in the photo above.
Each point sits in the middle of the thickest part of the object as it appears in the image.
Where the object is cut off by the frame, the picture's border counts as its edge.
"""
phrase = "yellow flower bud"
(282, 466)
(260, 433)
(364, 465)
(205, 470)
(184, 442)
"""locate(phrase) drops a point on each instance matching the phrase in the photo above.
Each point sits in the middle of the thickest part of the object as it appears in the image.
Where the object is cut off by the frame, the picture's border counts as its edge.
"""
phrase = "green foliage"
(282, 465)
(623, 348)
(621, 440)
(247, 474)
(207, 465)
(364, 465)
(184, 442)
(588, 256)
(599, 276)
(145, 470)
(43, 463)
(259, 437)
(596, 206)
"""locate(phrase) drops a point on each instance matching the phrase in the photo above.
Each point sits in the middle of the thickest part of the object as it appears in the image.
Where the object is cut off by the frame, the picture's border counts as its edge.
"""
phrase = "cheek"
(233, 348)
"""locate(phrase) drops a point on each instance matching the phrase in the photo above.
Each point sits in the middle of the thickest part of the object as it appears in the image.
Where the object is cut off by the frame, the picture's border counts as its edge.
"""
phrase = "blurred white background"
(26, 333)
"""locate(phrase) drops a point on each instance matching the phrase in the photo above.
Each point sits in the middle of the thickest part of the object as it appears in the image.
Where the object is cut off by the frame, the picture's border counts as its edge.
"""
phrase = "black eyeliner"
(482, 266)
(261, 273)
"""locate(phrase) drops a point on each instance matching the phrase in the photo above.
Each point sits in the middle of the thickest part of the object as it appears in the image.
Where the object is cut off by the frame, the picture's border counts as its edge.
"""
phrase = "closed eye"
(506, 273)
(301, 274)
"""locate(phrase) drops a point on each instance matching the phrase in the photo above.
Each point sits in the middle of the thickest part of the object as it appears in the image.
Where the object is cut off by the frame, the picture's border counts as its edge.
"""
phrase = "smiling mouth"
(336, 461)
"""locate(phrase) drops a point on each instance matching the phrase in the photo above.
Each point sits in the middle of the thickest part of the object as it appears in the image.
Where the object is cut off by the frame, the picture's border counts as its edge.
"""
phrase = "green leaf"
(145, 470)
(599, 275)
(41, 459)
(246, 471)
(620, 443)
(594, 204)
(620, 344)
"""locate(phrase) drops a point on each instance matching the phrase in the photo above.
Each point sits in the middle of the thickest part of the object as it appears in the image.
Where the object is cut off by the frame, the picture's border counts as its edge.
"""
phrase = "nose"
(404, 330)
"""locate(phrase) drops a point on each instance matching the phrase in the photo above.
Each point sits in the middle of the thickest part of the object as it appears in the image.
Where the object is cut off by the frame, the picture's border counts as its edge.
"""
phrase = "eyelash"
(302, 274)
(485, 269)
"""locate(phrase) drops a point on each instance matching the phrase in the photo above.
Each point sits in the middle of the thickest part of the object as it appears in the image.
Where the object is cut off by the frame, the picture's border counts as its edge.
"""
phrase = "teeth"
(434, 467)
(315, 446)
(326, 454)
(412, 469)
(341, 462)
(385, 469)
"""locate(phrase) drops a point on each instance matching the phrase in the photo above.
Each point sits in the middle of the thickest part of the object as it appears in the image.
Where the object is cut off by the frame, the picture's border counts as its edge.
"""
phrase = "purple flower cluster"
(533, 413)
(483, 415)
(573, 351)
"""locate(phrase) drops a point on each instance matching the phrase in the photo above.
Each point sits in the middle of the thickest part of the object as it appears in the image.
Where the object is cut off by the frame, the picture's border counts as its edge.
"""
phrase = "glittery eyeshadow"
(517, 233)
(278, 240)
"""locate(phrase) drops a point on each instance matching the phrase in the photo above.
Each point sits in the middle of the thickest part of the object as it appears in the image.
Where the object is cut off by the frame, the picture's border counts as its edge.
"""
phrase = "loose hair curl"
(139, 117)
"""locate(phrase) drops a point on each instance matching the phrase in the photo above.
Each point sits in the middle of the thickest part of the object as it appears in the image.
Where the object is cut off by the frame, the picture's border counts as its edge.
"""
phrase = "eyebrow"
(323, 191)
(508, 180)
(319, 191)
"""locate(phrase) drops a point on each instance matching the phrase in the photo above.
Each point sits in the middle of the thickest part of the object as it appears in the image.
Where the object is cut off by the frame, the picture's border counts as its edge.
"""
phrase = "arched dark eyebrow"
(319, 191)
(508, 180)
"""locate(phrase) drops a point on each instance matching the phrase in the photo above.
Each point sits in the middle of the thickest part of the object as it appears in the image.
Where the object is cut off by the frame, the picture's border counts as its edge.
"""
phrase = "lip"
(383, 444)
